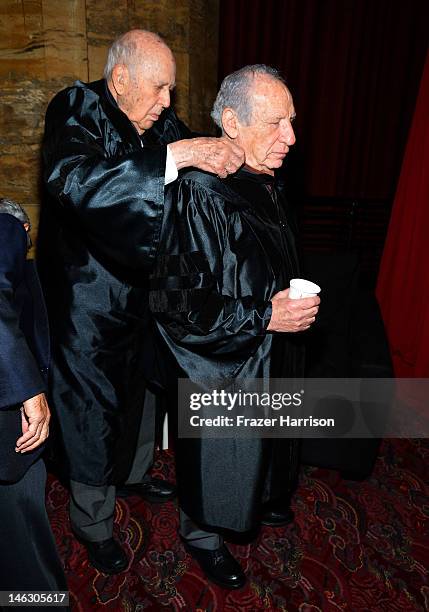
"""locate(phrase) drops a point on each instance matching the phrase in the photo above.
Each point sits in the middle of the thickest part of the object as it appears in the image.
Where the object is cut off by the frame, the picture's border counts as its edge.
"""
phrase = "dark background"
(354, 69)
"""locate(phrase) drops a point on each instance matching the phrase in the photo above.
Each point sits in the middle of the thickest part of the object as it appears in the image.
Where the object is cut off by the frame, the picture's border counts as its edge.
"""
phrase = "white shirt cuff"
(171, 172)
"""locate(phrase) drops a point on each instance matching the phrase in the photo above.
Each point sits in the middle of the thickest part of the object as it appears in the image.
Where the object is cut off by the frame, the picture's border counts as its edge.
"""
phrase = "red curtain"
(353, 67)
(403, 284)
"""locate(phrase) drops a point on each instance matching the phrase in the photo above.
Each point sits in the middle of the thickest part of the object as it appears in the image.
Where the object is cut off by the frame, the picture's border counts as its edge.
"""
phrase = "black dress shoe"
(106, 556)
(276, 517)
(218, 565)
(153, 490)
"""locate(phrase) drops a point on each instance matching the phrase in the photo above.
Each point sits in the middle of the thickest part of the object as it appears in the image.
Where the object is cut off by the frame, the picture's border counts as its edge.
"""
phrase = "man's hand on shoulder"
(217, 155)
(292, 315)
(35, 423)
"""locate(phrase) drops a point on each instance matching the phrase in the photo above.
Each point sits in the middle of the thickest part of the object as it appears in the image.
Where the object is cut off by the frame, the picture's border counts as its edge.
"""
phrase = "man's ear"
(230, 123)
(120, 78)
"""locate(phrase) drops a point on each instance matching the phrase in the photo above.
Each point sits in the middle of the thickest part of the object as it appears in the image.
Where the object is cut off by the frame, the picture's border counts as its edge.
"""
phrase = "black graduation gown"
(99, 231)
(226, 248)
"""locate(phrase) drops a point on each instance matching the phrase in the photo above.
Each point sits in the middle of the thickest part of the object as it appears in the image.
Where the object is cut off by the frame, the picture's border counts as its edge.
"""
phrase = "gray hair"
(125, 50)
(235, 89)
(10, 207)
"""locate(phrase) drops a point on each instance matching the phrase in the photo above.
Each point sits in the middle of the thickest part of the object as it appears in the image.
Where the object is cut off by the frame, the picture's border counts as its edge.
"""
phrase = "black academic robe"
(99, 231)
(226, 248)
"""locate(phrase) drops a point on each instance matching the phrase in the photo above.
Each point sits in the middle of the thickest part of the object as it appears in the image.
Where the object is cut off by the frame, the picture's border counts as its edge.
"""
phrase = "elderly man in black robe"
(220, 298)
(109, 150)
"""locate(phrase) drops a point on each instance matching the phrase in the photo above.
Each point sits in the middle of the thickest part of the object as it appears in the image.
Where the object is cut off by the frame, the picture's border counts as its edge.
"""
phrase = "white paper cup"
(300, 288)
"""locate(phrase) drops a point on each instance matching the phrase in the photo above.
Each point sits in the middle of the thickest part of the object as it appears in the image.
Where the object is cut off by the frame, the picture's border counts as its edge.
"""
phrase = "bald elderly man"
(110, 149)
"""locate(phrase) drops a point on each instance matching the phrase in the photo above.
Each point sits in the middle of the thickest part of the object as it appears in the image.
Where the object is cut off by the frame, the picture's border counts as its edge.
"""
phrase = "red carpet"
(355, 547)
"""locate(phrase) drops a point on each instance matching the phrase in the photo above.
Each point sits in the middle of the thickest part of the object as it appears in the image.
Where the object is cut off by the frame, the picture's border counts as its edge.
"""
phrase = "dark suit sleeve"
(20, 377)
(188, 296)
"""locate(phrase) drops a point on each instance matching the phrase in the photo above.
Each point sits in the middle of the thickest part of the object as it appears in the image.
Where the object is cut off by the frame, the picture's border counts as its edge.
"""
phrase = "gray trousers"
(196, 536)
(92, 508)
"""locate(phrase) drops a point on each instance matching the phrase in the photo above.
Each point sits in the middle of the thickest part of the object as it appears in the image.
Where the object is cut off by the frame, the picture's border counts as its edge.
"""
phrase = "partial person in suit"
(28, 559)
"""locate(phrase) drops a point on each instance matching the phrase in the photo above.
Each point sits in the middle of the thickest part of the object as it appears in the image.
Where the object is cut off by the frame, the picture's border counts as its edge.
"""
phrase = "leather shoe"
(218, 565)
(106, 556)
(152, 490)
(277, 517)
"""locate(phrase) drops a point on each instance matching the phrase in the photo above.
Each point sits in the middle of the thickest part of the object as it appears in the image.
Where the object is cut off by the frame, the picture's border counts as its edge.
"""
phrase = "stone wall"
(45, 45)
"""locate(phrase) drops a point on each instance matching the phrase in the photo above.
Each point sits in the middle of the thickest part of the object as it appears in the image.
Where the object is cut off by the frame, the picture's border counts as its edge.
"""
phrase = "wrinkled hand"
(218, 155)
(292, 315)
(35, 417)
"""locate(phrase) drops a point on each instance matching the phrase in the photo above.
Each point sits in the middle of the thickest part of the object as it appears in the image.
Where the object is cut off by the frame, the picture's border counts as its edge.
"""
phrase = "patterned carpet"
(359, 547)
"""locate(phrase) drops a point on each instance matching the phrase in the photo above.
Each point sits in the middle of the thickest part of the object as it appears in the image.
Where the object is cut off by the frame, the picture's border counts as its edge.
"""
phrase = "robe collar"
(261, 178)
(253, 175)
(120, 120)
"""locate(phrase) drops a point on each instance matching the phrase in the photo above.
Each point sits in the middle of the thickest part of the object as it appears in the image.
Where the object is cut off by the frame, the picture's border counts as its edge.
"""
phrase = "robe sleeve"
(116, 189)
(187, 294)
(20, 377)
